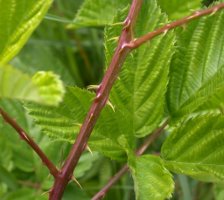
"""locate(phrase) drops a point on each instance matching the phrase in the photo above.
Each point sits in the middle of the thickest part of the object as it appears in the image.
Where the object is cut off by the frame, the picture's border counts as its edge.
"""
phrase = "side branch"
(151, 138)
(24, 136)
(163, 30)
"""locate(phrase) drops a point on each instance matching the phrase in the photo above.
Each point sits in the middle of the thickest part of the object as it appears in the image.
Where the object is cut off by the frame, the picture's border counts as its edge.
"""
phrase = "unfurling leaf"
(43, 87)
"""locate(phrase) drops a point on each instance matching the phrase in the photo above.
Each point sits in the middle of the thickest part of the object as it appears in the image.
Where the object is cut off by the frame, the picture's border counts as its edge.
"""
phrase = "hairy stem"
(24, 136)
(164, 29)
(101, 98)
(151, 138)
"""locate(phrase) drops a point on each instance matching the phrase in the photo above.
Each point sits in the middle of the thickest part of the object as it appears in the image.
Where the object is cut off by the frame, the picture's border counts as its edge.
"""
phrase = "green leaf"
(18, 21)
(43, 87)
(196, 77)
(195, 148)
(63, 122)
(97, 12)
(139, 92)
(177, 9)
(152, 180)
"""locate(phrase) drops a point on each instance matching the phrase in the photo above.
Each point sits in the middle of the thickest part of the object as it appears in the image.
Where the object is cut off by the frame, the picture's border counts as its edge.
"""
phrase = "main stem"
(99, 102)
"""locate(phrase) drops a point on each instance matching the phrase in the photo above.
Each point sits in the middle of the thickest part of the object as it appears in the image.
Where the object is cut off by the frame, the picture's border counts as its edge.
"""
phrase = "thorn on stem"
(114, 39)
(76, 182)
(78, 124)
(214, 11)
(110, 105)
(127, 23)
(190, 17)
(93, 87)
(90, 117)
(24, 136)
(165, 31)
(89, 150)
(47, 192)
(117, 23)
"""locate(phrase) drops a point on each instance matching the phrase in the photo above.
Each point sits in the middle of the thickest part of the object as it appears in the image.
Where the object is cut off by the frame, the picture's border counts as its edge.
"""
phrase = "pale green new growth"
(50, 87)
(152, 179)
(43, 87)
(18, 20)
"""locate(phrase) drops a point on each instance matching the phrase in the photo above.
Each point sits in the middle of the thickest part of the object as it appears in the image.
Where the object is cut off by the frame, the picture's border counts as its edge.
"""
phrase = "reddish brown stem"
(24, 136)
(164, 29)
(101, 98)
(151, 138)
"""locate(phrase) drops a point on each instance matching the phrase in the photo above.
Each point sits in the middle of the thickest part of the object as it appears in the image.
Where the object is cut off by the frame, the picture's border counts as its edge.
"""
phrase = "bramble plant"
(164, 82)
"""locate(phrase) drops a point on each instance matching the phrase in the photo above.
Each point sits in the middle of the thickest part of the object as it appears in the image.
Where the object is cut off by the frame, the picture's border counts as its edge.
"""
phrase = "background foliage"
(65, 54)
